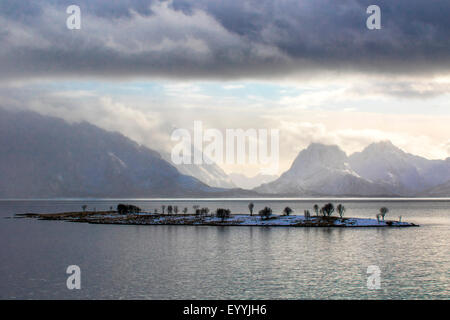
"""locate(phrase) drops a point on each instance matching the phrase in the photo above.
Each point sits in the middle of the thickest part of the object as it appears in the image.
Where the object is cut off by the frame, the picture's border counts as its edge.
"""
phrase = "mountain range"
(47, 157)
(399, 172)
(381, 169)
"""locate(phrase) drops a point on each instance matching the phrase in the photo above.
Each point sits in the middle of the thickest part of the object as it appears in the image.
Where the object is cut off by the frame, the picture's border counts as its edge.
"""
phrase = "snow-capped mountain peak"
(401, 172)
(322, 170)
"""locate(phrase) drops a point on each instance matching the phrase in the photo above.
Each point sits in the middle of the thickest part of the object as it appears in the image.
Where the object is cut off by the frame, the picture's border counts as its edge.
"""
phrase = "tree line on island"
(266, 213)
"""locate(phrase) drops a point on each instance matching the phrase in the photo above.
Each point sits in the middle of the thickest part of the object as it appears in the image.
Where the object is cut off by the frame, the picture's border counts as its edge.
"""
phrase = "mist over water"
(205, 262)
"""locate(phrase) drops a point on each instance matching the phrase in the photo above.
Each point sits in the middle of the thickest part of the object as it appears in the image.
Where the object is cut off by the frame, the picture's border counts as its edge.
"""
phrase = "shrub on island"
(265, 213)
(327, 210)
(223, 213)
(287, 211)
(127, 208)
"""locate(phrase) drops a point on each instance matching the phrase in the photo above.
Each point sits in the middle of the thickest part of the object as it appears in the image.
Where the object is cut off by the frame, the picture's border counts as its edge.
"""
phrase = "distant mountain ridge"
(398, 171)
(208, 173)
(442, 190)
(44, 157)
(322, 170)
(381, 169)
(249, 183)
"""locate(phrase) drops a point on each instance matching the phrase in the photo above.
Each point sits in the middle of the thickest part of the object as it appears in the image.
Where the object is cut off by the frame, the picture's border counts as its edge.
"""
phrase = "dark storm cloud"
(222, 38)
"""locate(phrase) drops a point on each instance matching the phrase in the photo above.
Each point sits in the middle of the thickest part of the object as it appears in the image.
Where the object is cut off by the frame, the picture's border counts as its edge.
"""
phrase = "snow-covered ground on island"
(243, 220)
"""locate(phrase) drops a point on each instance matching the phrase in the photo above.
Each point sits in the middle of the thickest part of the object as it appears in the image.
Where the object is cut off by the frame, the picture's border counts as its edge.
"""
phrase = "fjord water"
(206, 262)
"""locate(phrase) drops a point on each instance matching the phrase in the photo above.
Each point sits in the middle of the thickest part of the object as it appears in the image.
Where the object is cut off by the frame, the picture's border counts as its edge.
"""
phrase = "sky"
(311, 69)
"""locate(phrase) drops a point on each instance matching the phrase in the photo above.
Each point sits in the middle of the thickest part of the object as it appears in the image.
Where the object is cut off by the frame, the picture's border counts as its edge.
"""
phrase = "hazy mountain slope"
(442, 190)
(242, 181)
(47, 157)
(322, 170)
(434, 172)
(400, 172)
(210, 174)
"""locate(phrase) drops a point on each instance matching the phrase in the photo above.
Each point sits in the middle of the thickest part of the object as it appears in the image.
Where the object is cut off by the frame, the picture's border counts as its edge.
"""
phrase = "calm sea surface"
(205, 262)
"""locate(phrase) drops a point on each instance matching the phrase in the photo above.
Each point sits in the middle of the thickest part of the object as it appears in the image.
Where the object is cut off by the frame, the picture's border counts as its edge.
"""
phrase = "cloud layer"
(218, 39)
(309, 68)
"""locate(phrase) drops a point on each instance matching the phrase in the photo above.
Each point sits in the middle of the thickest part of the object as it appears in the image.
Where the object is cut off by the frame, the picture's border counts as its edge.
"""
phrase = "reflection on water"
(185, 262)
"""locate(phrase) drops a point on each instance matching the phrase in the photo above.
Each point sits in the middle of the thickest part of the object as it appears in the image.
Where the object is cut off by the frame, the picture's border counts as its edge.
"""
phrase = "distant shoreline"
(239, 199)
(146, 218)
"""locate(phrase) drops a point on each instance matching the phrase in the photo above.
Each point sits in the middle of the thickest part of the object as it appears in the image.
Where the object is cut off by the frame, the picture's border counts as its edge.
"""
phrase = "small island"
(133, 215)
